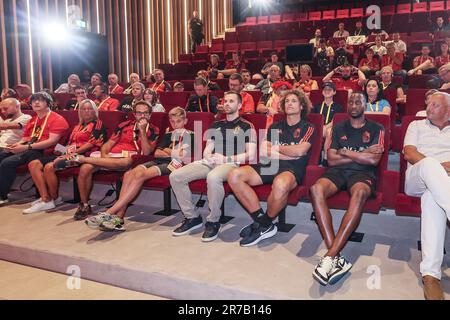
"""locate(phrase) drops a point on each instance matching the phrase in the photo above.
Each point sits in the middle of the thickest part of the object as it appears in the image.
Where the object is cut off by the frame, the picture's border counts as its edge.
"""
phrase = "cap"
(330, 85)
(178, 84)
(279, 84)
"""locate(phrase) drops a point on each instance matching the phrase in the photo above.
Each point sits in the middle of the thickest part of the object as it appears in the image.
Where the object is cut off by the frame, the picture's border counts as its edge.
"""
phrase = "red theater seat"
(315, 15)
(250, 21)
(404, 204)
(275, 18)
(357, 13)
(403, 8)
(328, 14)
(263, 19)
(61, 99)
(174, 99)
(342, 14)
(436, 5)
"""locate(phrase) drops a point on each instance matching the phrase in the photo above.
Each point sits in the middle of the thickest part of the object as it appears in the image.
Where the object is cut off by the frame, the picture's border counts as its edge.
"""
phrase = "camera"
(341, 57)
(322, 60)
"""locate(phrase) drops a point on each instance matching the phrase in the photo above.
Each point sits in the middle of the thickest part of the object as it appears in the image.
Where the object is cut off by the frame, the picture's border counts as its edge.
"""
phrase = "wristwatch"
(30, 147)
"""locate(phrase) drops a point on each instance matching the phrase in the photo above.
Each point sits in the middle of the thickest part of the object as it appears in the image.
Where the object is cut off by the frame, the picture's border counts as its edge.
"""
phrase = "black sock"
(257, 214)
(265, 220)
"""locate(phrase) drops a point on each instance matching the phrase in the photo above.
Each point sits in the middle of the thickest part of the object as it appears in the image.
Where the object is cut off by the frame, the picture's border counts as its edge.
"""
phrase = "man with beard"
(342, 78)
(11, 128)
(357, 146)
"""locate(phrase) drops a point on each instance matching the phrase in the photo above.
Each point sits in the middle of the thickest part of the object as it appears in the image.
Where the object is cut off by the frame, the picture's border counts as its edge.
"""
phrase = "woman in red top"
(370, 64)
(87, 136)
(305, 82)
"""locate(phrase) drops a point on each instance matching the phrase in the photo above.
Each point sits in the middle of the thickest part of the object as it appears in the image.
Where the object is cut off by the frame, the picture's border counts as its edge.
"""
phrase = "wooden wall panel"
(156, 33)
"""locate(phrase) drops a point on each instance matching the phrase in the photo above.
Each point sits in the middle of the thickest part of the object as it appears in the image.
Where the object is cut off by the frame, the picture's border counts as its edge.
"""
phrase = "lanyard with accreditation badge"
(41, 129)
(207, 103)
(377, 106)
(328, 113)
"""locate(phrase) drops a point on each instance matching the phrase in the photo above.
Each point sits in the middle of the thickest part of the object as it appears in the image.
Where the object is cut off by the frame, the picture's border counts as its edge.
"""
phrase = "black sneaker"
(187, 226)
(211, 231)
(258, 234)
(82, 212)
(247, 230)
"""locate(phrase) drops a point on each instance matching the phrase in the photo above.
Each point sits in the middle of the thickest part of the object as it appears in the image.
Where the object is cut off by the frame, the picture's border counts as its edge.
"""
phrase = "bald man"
(12, 122)
(113, 82)
(427, 150)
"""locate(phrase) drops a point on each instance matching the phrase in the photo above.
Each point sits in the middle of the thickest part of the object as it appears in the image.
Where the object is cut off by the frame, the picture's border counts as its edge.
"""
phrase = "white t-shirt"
(429, 140)
(400, 46)
(158, 108)
(11, 136)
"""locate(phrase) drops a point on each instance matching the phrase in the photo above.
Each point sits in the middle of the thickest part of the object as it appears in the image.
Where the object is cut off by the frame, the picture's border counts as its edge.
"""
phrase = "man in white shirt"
(341, 33)
(246, 75)
(316, 39)
(427, 150)
(400, 45)
(11, 129)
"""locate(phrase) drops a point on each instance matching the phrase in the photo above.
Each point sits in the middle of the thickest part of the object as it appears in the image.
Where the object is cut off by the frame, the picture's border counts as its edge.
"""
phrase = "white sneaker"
(35, 202)
(323, 269)
(58, 201)
(40, 206)
(341, 267)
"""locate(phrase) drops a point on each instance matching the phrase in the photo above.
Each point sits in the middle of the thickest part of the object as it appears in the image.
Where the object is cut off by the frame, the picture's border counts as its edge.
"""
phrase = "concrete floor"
(146, 258)
(18, 282)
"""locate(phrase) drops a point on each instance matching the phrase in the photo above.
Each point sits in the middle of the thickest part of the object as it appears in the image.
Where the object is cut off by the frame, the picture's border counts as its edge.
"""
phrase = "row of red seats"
(435, 6)
(389, 186)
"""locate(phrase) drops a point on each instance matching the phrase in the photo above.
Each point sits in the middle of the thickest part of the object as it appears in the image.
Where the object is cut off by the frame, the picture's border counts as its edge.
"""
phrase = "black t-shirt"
(328, 111)
(71, 104)
(230, 137)
(172, 139)
(196, 26)
(126, 105)
(358, 140)
(282, 134)
(359, 32)
(207, 103)
(213, 86)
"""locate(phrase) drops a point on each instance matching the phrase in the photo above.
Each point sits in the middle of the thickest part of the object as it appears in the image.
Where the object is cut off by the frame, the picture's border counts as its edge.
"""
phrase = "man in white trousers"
(427, 150)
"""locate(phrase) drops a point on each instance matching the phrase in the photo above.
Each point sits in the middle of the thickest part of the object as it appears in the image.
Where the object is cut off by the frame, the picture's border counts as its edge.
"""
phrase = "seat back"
(385, 121)
(342, 14)
(174, 99)
(403, 8)
(356, 13)
(419, 7)
(435, 5)
(61, 99)
(328, 14)
(406, 121)
(112, 119)
(315, 15)
(415, 101)
(256, 95)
